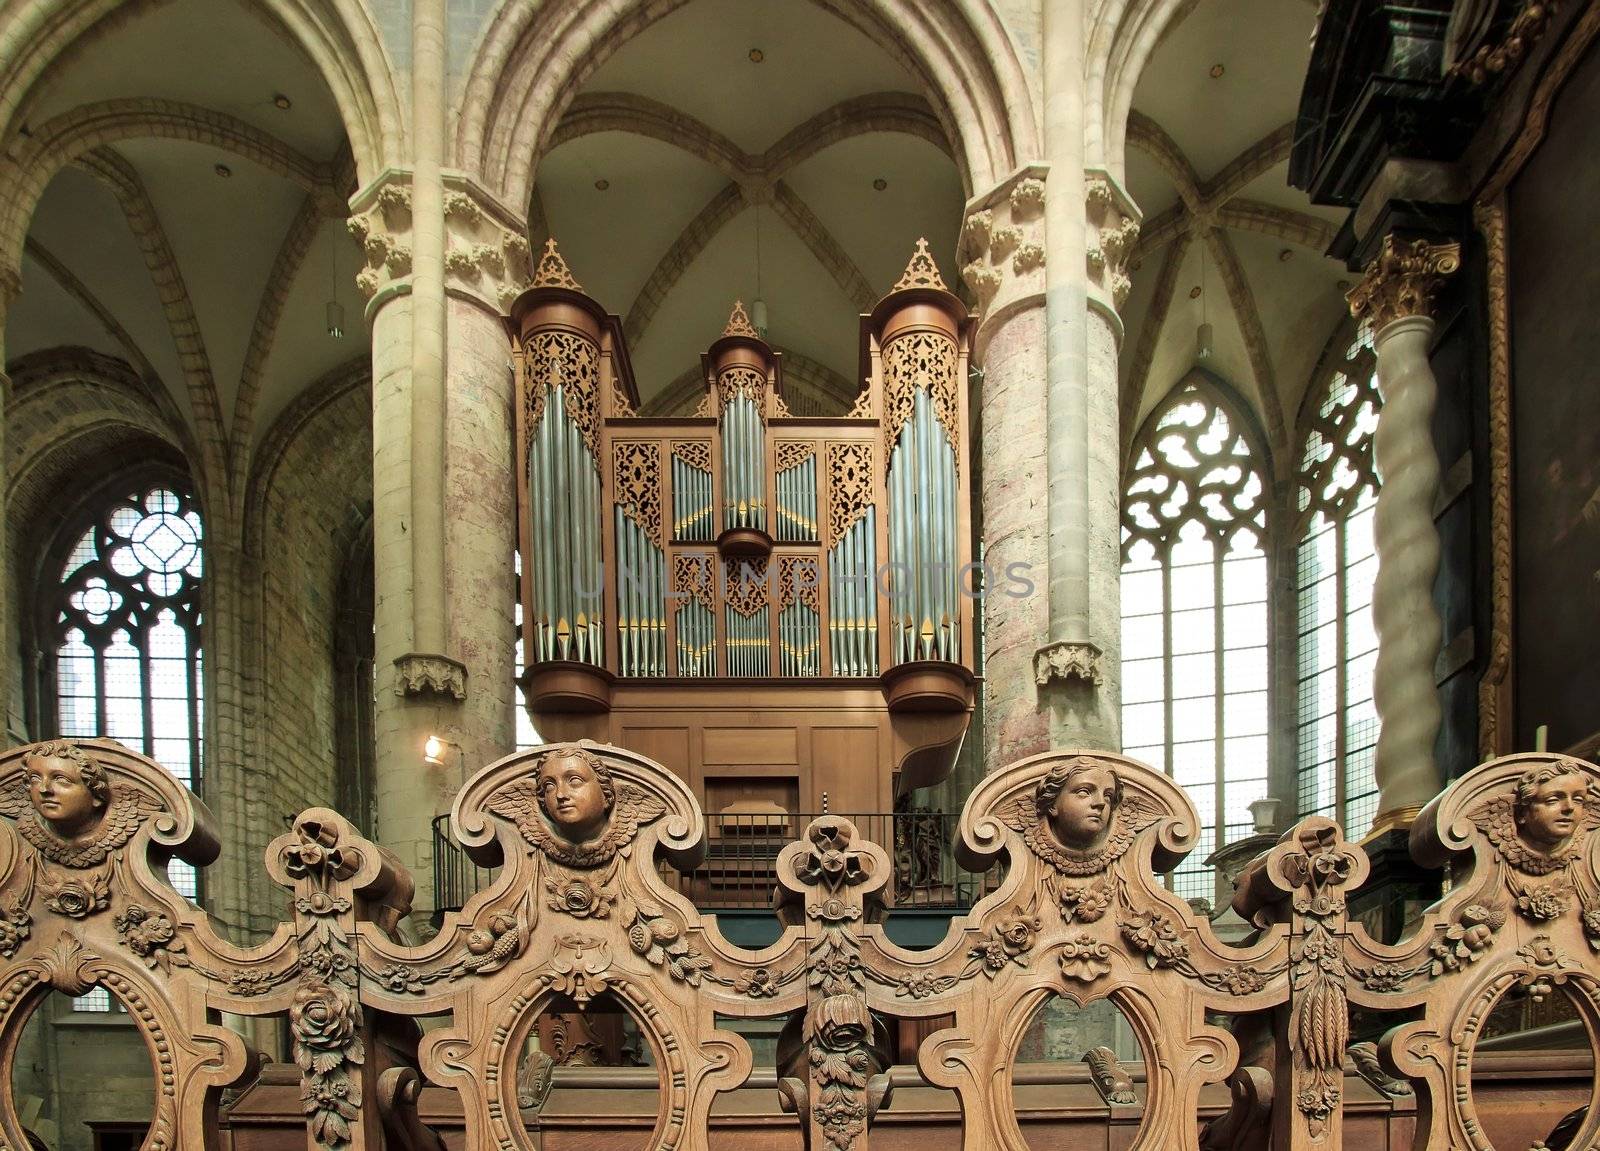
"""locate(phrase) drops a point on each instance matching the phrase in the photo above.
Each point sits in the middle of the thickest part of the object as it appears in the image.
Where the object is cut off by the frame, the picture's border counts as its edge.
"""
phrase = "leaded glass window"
(1337, 491)
(123, 626)
(1194, 615)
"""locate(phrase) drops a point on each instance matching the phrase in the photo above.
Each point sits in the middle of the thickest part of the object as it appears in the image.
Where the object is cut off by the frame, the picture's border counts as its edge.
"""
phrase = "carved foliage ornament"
(743, 381)
(636, 480)
(694, 577)
(849, 485)
(695, 453)
(1402, 280)
(745, 584)
(739, 323)
(920, 361)
(567, 360)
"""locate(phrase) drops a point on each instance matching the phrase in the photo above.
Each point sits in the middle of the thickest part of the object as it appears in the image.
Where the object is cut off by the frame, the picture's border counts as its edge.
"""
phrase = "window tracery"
(1195, 664)
(122, 638)
(1337, 647)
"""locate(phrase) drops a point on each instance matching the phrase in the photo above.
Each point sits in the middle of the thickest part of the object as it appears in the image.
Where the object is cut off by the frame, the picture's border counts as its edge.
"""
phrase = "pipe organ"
(743, 550)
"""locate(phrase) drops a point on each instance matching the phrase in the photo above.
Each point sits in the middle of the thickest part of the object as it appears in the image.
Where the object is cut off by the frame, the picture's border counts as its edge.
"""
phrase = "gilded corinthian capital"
(1402, 280)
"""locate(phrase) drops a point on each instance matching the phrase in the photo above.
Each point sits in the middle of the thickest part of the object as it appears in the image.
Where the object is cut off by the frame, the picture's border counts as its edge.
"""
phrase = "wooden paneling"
(752, 745)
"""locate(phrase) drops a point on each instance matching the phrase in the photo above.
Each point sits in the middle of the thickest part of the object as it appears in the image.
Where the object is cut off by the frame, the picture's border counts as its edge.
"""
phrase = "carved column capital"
(1401, 282)
(486, 246)
(1002, 243)
(1113, 222)
(1067, 661)
(421, 673)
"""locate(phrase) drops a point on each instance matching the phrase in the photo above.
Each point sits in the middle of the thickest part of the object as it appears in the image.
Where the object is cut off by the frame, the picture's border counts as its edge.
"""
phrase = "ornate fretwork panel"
(694, 579)
(566, 361)
(641, 559)
(920, 362)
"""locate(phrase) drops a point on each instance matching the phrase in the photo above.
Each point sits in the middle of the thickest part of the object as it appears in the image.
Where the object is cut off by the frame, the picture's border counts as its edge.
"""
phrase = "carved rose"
(578, 898)
(1016, 934)
(328, 964)
(1151, 934)
(1591, 927)
(324, 1024)
(1542, 903)
(1085, 959)
(76, 900)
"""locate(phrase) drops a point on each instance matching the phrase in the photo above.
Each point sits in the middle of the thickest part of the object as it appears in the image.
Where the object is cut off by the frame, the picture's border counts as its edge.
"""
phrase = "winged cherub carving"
(1540, 823)
(70, 810)
(572, 809)
(1079, 819)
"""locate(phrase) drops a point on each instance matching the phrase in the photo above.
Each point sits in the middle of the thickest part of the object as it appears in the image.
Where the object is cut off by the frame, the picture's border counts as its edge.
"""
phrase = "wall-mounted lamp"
(433, 750)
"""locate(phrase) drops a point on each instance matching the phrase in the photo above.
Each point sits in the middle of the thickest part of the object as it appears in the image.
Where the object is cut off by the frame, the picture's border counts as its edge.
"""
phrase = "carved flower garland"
(151, 936)
(15, 926)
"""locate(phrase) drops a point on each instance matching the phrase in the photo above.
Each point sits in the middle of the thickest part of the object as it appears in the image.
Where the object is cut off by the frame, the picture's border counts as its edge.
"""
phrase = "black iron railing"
(740, 867)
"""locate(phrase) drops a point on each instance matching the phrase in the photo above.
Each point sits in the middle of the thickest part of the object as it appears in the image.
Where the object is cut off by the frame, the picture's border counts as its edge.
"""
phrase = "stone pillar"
(10, 701)
(464, 694)
(1002, 264)
(1395, 298)
(1090, 226)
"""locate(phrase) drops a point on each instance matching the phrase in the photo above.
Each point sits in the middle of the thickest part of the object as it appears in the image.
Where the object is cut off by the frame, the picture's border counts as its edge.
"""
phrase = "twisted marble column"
(1395, 298)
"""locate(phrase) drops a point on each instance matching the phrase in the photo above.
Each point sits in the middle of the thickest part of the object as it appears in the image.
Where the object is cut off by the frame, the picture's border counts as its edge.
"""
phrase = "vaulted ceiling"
(735, 148)
(1225, 240)
(202, 241)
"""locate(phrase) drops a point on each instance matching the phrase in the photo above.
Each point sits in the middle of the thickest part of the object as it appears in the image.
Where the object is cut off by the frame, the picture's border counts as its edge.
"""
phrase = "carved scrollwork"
(572, 362)
(636, 483)
(920, 361)
(849, 485)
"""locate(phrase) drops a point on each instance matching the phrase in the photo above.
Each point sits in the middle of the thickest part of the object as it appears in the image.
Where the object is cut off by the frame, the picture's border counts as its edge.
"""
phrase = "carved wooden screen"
(580, 910)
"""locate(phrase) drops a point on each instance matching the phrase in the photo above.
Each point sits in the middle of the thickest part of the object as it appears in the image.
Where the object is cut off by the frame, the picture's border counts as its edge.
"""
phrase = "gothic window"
(1194, 615)
(121, 634)
(1337, 726)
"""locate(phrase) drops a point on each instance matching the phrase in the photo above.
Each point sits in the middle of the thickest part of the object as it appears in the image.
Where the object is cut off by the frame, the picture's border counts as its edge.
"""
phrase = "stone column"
(465, 693)
(16, 723)
(1003, 266)
(1395, 298)
(1090, 225)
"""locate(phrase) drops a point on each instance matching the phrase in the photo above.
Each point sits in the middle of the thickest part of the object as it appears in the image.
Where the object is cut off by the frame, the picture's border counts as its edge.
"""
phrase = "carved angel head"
(576, 793)
(1549, 805)
(67, 788)
(1079, 800)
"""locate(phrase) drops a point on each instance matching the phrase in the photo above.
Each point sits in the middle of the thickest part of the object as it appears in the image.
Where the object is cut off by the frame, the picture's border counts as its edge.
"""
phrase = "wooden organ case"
(780, 609)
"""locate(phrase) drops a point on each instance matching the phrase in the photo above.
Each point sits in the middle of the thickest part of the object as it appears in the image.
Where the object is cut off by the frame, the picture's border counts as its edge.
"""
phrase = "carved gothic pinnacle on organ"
(921, 272)
(1402, 280)
(552, 271)
(739, 324)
